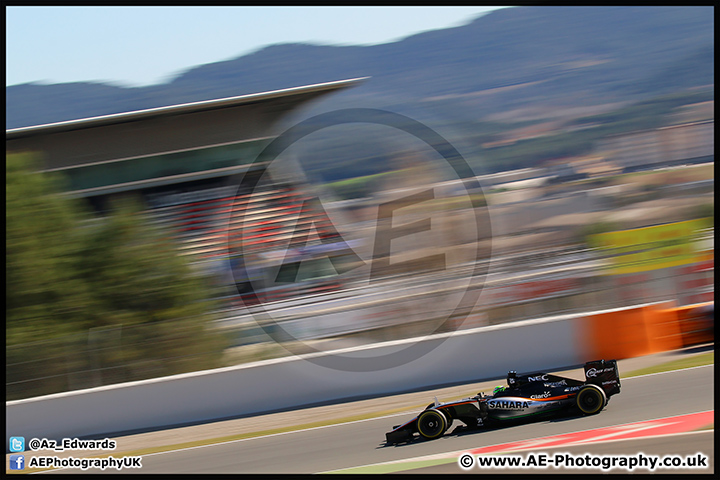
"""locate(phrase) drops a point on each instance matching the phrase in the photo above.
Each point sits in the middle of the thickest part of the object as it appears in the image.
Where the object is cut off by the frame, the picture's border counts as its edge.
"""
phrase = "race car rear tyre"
(591, 399)
(431, 424)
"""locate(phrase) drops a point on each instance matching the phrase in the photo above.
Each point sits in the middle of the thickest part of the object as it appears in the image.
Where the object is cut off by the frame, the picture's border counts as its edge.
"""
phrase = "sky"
(140, 46)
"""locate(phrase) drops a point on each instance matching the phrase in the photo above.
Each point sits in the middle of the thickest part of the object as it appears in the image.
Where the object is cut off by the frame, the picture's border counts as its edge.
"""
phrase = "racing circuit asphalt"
(361, 443)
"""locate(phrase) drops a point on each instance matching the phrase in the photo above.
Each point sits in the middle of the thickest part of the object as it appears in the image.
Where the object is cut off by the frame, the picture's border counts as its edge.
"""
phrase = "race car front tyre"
(448, 419)
(591, 399)
(431, 424)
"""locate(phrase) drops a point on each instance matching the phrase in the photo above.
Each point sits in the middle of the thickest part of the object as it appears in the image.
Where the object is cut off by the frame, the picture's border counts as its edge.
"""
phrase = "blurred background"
(148, 236)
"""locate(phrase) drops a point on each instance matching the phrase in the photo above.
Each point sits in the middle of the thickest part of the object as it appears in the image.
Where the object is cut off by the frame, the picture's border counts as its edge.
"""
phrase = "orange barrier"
(618, 334)
(694, 327)
(663, 328)
(632, 332)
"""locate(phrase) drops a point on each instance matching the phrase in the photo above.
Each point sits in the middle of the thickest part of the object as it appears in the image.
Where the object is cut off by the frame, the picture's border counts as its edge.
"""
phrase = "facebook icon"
(17, 462)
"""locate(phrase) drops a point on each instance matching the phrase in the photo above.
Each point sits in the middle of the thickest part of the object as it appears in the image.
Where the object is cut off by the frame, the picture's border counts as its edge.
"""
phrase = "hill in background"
(514, 64)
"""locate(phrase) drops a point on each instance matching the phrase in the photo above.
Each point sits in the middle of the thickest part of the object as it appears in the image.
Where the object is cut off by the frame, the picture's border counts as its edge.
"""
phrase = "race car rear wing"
(604, 374)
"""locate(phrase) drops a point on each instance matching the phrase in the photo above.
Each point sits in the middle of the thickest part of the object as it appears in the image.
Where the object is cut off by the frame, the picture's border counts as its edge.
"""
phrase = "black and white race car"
(525, 398)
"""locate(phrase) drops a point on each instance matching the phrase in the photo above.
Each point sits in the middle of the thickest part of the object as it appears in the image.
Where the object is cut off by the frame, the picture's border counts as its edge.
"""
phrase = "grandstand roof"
(124, 136)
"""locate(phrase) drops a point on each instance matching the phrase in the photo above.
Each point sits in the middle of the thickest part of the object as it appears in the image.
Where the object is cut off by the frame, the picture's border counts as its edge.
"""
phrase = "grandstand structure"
(193, 166)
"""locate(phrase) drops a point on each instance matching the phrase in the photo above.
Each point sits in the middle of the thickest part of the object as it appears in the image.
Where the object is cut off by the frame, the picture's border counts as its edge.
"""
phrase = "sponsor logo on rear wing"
(603, 374)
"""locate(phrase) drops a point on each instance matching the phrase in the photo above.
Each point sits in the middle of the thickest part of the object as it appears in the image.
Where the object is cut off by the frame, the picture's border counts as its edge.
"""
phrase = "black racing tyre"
(431, 424)
(591, 399)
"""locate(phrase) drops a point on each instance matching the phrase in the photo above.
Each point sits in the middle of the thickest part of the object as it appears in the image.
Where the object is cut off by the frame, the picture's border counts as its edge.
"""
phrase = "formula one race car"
(526, 397)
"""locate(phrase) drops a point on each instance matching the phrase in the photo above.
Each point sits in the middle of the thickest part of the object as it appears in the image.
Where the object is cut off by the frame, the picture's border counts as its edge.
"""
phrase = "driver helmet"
(498, 389)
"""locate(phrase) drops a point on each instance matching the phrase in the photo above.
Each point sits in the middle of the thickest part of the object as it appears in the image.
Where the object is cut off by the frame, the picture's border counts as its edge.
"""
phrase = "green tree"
(136, 271)
(109, 295)
(142, 283)
(45, 294)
